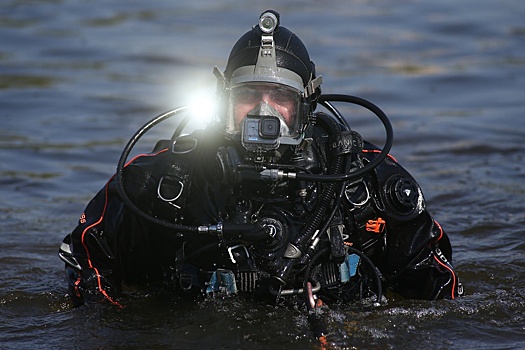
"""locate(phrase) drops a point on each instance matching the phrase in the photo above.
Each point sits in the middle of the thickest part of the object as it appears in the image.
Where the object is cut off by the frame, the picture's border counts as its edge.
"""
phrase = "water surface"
(77, 78)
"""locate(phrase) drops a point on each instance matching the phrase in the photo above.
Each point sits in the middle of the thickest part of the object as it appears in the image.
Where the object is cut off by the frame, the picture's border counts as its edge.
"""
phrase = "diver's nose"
(266, 97)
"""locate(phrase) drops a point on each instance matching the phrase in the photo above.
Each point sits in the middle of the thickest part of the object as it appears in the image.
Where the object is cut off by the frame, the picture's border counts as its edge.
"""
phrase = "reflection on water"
(78, 78)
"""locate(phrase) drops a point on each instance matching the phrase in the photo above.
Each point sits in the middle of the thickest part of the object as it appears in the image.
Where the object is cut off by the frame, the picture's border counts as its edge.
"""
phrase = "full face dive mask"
(271, 58)
(265, 115)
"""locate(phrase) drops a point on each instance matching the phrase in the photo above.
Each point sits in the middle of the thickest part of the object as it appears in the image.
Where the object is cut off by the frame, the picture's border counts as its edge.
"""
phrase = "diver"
(278, 196)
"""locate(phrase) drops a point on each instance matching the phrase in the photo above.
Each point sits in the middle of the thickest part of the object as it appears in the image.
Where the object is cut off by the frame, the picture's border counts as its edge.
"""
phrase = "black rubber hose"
(247, 232)
(389, 141)
(286, 265)
(374, 269)
(120, 174)
(327, 194)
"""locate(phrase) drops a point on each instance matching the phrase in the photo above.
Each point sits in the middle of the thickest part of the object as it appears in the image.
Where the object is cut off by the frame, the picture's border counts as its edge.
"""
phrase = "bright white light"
(203, 107)
(195, 89)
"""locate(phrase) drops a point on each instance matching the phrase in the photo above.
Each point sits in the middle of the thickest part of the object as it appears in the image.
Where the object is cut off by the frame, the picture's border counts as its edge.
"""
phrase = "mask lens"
(245, 97)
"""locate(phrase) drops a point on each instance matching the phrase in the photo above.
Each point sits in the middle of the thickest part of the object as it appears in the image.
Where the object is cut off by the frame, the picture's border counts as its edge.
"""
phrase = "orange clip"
(377, 226)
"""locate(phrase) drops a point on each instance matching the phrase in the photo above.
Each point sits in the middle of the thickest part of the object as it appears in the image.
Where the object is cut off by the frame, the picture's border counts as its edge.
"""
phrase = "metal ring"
(172, 199)
(363, 202)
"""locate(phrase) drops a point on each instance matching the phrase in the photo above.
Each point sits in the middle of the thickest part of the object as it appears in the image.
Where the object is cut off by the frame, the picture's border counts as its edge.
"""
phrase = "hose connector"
(276, 174)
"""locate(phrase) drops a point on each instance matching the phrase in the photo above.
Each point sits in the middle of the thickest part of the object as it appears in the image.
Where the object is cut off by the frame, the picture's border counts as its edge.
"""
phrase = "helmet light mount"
(266, 62)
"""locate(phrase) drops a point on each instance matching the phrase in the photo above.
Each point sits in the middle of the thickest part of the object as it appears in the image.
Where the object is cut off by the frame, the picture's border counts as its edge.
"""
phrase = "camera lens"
(269, 127)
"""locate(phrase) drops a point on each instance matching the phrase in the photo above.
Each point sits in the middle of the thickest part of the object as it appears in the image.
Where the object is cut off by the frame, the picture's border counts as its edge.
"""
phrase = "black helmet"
(272, 61)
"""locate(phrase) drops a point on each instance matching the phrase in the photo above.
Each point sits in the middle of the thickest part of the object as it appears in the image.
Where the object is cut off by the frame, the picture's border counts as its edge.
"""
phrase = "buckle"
(377, 226)
(222, 281)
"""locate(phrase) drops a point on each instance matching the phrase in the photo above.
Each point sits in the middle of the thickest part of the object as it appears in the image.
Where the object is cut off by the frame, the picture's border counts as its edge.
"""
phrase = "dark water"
(78, 77)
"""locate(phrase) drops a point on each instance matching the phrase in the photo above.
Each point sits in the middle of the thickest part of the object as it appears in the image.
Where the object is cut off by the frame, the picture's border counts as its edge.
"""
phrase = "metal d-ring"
(170, 200)
(191, 148)
(363, 202)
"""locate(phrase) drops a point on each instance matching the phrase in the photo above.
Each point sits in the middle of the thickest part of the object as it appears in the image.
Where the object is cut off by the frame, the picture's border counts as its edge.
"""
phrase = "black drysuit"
(198, 182)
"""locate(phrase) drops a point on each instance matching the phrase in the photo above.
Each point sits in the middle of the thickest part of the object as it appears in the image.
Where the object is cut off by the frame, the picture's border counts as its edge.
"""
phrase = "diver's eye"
(247, 96)
(283, 97)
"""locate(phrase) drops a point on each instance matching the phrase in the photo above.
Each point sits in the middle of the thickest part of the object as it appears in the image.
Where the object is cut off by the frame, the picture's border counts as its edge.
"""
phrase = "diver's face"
(247, 97)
